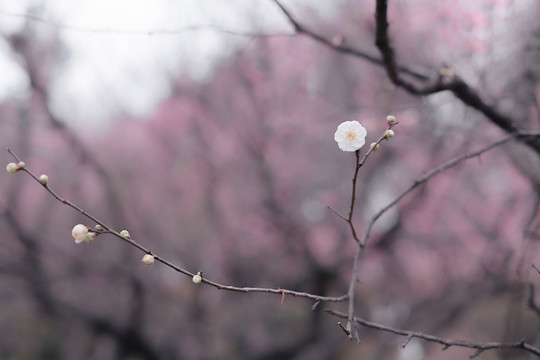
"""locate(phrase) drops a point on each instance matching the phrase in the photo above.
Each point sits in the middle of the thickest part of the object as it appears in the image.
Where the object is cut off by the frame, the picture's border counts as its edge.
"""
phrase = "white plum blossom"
(350, 135)
(80, 233)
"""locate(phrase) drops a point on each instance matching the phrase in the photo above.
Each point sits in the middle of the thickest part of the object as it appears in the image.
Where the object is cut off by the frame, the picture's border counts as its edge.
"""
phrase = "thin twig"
(131, 32)
(445, 166)
(359, 164)
(359, 250)
(109, 229)
(446, 342)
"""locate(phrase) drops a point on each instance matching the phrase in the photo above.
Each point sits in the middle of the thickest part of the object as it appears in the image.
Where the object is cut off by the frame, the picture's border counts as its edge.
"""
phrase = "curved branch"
(108, 229)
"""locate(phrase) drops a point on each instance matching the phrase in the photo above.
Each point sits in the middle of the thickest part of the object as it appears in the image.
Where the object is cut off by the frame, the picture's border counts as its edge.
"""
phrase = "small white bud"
(148, 259)
(21, 165)
(197, 278)
(98, 227)
(12, 168)
(43, 179)
(375, 146)
(90, 237)
(388, 134)
(390, 119)
(125, 234)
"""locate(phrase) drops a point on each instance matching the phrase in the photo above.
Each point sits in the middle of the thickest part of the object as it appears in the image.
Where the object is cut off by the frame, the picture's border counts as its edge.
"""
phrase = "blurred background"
(206, 128)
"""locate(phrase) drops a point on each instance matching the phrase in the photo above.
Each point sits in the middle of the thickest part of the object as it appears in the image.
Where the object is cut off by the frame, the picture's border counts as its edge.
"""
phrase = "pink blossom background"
(234, 177)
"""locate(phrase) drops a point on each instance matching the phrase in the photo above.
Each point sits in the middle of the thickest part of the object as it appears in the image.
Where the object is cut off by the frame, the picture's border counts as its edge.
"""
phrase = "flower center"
(351, 134)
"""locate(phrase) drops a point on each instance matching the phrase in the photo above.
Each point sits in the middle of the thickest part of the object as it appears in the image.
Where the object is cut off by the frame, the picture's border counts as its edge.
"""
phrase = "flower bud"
(125, 234)
(390, 119)
(90, 237)
(79, 232)
(12, 168)
(148, 259)
(197, 278)
(43, 179)
(375, 146)
(21, 165)
(98, 227)
(388, 134)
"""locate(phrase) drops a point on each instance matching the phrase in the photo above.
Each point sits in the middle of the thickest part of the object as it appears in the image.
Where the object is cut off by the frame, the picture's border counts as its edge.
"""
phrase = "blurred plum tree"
(239, 178)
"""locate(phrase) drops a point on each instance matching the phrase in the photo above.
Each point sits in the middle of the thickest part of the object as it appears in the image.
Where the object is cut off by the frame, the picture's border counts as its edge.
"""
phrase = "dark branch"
(446, 342)
(456, 85)
(301, 29)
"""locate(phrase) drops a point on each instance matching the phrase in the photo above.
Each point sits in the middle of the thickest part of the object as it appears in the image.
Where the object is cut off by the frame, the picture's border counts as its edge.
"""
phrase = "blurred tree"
(233, 177)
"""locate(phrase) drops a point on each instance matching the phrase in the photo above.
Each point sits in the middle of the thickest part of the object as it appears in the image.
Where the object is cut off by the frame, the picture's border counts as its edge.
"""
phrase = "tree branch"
(420, 181)
(446, 342)
(525, 136)
(108, 229)
(456, 85)
(301, 29)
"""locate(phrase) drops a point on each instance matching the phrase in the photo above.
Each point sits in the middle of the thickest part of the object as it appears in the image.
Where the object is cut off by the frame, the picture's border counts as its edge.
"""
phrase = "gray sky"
(113, 64)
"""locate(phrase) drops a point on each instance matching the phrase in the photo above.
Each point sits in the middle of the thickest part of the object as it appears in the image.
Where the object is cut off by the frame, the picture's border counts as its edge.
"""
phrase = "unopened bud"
(375, 146)
(12, 168)
(388, 134)
(125, 234)
(43, 179)
(21, 165)
(197, 278)
(98, 227)
(390, 119)
(90, 237)
(148, 259)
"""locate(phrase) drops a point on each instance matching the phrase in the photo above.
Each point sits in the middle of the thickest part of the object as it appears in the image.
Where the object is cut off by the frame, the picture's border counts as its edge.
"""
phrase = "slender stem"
(359, 250)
